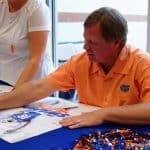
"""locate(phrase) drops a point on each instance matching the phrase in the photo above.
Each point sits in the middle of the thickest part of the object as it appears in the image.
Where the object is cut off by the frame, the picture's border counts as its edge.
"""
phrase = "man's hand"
(137, 114)
(85, 119)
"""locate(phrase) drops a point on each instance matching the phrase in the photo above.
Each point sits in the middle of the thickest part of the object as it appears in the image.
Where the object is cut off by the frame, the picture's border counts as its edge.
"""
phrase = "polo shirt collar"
(124, 61)
(94, 67)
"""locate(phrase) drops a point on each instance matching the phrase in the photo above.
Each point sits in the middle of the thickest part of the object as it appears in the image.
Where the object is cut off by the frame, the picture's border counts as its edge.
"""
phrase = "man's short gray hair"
(113, 25)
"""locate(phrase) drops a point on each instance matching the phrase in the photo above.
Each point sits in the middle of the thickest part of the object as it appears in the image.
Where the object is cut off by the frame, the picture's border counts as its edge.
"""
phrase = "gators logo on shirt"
(124, 87)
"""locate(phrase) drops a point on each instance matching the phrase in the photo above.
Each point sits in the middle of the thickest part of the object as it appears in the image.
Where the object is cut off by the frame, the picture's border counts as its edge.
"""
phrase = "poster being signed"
(33, 119)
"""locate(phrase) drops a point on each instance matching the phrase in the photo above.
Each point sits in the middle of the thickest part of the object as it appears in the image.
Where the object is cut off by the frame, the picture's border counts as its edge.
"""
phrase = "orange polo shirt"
(128, 82)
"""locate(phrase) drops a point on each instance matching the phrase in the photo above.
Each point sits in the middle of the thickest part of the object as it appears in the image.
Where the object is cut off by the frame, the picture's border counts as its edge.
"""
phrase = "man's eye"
(93, 43)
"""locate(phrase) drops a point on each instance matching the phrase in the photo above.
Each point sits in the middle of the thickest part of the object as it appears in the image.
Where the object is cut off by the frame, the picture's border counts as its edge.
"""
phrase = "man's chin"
(91, 58)
(94, 60)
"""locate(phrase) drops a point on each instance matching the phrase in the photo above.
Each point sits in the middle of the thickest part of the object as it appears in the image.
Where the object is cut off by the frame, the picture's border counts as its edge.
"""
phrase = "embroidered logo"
(124, 88)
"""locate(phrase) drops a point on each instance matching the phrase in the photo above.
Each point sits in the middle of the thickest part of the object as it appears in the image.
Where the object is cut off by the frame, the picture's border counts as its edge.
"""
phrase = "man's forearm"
(25, 94)
(132, 114)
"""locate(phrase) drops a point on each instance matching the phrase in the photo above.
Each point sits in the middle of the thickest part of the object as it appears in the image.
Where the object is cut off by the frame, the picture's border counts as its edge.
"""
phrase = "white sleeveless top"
(14, 27)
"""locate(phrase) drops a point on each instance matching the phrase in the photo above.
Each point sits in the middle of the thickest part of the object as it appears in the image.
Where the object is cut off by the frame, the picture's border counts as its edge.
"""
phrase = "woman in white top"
(25, 52)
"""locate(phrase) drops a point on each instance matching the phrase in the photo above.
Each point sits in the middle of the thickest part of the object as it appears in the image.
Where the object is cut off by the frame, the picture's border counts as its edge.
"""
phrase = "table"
(60, 139)
(63, 138)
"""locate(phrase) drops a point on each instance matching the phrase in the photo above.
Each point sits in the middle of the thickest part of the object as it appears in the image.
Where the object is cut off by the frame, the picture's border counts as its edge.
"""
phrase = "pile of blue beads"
(116, 139)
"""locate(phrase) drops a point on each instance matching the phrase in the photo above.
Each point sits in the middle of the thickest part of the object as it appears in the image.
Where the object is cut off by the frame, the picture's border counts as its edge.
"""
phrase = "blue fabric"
(61, 139)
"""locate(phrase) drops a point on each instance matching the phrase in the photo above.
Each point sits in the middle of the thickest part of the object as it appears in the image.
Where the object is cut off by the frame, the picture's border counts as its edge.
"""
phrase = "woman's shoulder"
(33, 5)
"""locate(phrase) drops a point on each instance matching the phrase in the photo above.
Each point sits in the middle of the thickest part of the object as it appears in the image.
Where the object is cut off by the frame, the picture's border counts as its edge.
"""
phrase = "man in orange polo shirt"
(109, 74)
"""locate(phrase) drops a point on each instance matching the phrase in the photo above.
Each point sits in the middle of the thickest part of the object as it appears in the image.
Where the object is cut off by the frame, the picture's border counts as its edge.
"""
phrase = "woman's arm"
(37, 44)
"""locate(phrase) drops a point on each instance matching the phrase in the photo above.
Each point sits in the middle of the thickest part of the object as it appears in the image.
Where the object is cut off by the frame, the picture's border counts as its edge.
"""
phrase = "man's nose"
(86, 46)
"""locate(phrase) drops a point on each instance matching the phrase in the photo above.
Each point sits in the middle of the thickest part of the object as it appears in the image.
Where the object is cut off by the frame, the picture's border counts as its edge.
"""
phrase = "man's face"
(98, 50)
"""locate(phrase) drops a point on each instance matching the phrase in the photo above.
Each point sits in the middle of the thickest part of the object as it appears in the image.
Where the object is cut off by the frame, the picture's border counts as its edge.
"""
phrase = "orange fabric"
(128, 82)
